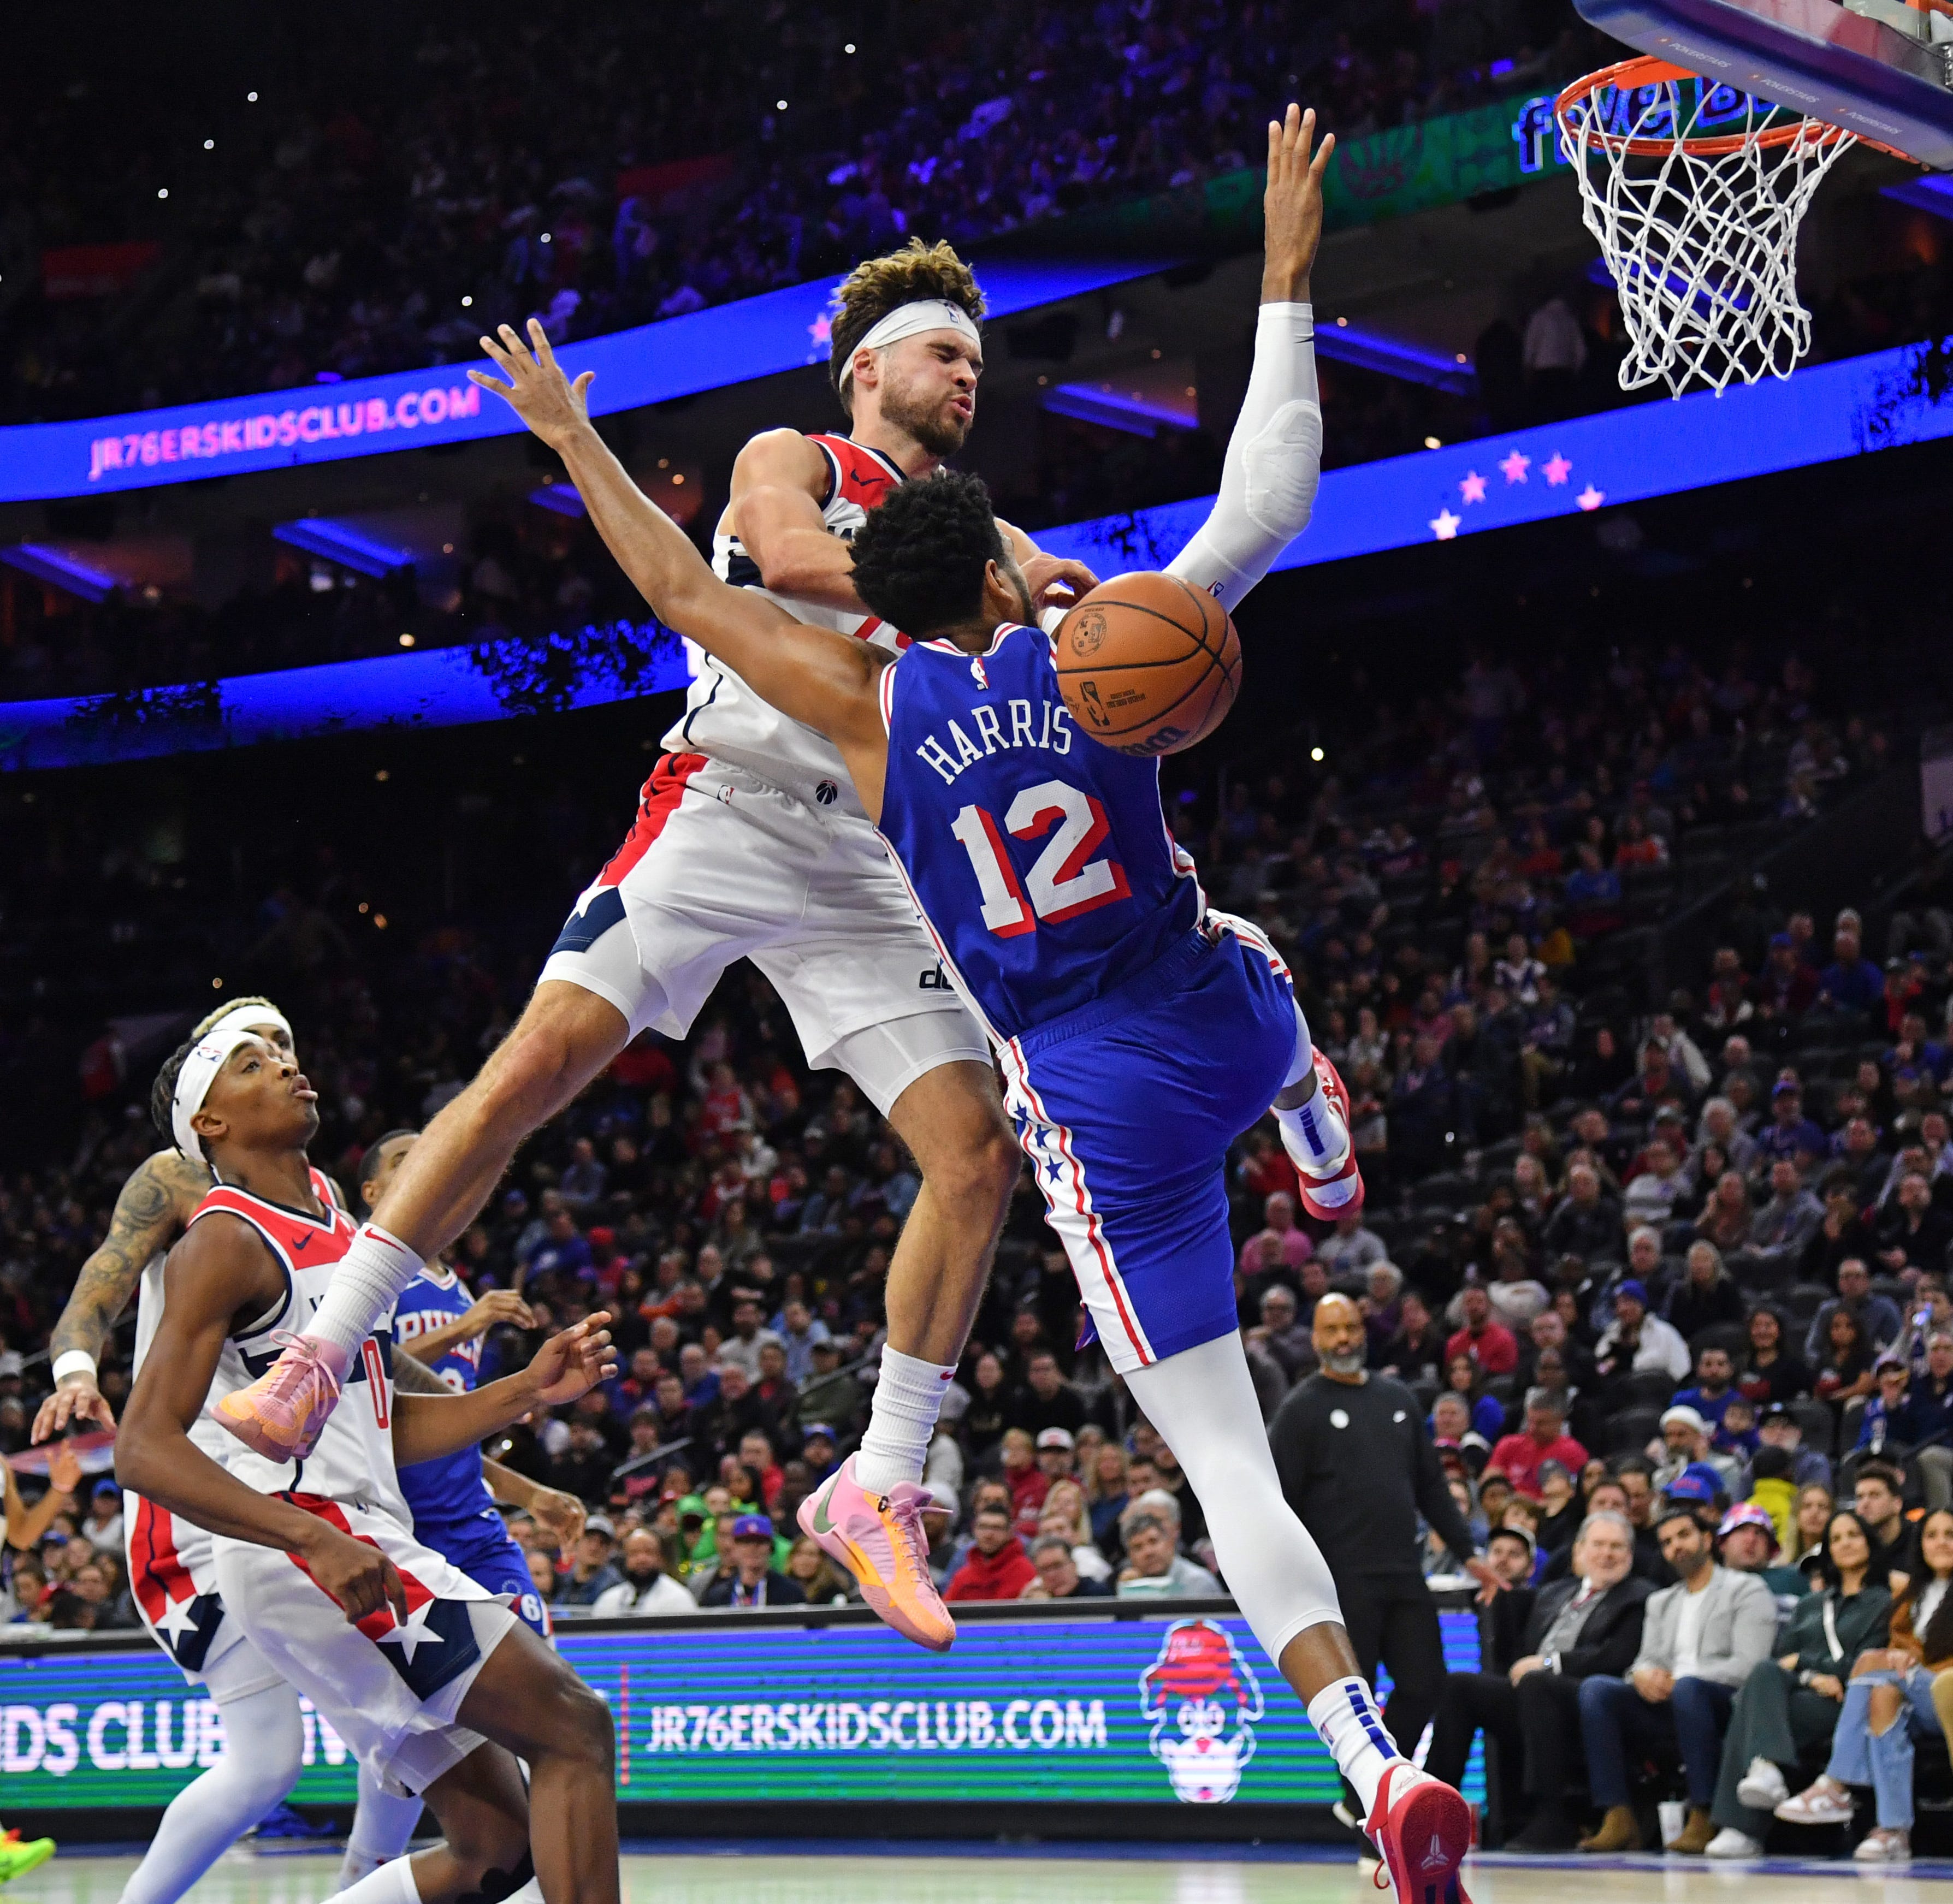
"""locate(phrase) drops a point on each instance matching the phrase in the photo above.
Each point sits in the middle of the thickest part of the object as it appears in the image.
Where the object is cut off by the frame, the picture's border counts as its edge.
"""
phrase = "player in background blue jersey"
(452, 1499)
(1139, 1032)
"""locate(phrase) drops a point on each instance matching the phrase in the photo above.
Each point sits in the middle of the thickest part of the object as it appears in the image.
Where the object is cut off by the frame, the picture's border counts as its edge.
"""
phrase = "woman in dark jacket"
(1791, 1703)
(1772, 1370)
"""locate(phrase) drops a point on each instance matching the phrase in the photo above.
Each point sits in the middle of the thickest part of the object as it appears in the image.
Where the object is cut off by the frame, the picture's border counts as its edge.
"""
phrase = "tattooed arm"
(149, 1216)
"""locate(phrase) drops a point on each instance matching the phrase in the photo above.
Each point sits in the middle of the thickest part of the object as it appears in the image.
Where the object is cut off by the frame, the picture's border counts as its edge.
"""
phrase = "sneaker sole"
(1328, 1213)
(1435, 1818)
(251, 1432)
(1760, 1801)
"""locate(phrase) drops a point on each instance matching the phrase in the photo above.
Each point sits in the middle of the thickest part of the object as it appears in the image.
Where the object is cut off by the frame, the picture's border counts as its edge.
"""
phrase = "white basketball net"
(1703, 245)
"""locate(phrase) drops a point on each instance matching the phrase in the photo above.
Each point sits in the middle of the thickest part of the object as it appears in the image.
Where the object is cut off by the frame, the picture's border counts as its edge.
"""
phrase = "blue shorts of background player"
(486, 1551)
(1127, 1107)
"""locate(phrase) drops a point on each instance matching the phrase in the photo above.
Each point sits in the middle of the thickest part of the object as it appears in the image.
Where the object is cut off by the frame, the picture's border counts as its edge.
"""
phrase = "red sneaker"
(1327, 1193)
(1421, 1829)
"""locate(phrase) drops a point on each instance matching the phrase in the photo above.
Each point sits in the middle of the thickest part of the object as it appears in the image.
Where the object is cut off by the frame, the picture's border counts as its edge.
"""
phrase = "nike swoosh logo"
(300, 1244)
(822, 1525)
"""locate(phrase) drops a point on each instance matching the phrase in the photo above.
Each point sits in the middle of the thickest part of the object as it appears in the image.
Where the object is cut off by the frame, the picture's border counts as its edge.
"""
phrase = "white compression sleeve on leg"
(392, 1883)
(1273, 465)
(383, 1827)
(263, 1738)
(369, 1280)
(1203, 1402)
(1303, 1064)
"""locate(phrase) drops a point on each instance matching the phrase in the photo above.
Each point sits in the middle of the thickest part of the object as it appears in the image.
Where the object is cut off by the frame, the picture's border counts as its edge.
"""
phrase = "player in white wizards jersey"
(749, 841)
(434, 1683)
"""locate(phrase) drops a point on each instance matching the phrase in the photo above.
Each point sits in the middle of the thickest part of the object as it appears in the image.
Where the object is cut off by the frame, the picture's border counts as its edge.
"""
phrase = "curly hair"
(920, 558)
(163, 1092)
(878, 286)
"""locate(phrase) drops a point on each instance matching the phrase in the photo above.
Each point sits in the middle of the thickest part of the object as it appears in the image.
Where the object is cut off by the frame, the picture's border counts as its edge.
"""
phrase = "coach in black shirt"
(1357, 1468)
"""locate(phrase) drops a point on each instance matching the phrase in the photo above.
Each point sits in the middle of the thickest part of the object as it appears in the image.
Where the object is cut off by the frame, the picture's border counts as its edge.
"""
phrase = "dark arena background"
(1592, 774)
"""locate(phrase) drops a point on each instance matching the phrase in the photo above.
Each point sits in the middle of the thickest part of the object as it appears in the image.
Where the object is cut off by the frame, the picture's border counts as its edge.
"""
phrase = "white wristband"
(74, 1361)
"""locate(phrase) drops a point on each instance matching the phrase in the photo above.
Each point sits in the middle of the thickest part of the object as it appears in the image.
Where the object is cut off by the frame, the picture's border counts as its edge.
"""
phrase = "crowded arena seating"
(642, 169)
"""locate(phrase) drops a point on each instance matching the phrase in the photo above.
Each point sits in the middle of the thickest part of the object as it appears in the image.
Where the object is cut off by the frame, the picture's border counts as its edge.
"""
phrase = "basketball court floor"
(824, 1874)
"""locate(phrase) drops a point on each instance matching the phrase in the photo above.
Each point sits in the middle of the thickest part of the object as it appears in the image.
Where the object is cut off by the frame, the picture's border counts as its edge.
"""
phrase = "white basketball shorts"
(172, 1578)
(391, 1689)
(718, 866)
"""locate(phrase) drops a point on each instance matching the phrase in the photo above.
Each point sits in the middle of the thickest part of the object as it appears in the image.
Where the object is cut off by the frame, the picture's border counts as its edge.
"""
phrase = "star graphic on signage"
(1444, 525)
(181, 1619)
(822, 329)
(1589, 498)
(410, 1634)
(1558, 469)
(1473, 486)
(1515, 466)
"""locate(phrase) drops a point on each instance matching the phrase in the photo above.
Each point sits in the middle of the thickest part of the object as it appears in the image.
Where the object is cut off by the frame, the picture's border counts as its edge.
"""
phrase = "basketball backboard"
(1851, 68)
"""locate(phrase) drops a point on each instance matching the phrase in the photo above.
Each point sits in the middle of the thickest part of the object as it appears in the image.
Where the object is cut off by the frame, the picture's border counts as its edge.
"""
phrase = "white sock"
(907, 1400)
(367, 1283)
(392, 1883)
(383, 1827)
(263, 1738)
(1314, 1136)
(1345, 1715)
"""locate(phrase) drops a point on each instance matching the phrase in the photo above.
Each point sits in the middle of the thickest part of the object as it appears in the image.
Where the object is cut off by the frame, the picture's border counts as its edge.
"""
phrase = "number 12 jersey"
(1040, 860)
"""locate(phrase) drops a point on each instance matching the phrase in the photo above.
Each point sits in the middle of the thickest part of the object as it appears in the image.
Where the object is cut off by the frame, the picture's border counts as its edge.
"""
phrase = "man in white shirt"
(1701, 1639)
(646, 1586)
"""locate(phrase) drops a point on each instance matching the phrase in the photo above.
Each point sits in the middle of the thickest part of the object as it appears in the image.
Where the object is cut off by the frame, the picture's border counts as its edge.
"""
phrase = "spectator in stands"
(823, 1583)
(1416, 1351)
(1682, 1687)
(1155, 1568)
(1687, 1443)
(800, 1332)
(1706, 1295)
(1786, 986)
(1878, 1493)
(740, 1350)
(1879, 1322)
(1844, 1372)
(1713, 1389)
(1350, 1249)
(1913, 1230)
(1790, 1705)
(1635, 1343)
(102, 1529)
(1778, 1427)
(752, 1580)
(1815, 1506)
(1519, 1457)
(1046, 1400)
(1058, 1577)
(1924, 1425)
(645, 1587)
(1423, 1114)
(1588, 1622)
(1727, 1216)
(1789, 1134)
(1464, 1378)
(1028, 1482)
(1879, 1424)
(1782, 1225)
(1843, 1232)
(1586, 1224)
(1746, 1538)
(1652, 1197)
(592, 1574)
(1770, 1369)
(1282, 1333)
(1491, 1346)
(1850, 982)
(1279, 1243)
(997, 1567)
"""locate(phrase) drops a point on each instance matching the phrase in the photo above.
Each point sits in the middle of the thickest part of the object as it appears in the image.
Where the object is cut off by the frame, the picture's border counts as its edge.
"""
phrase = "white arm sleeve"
(1274, 463)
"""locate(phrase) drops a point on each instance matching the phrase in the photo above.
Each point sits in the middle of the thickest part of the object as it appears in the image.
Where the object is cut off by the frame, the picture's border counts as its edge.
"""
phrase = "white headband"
(207, 1058)
(908, 320)
(252, 1012)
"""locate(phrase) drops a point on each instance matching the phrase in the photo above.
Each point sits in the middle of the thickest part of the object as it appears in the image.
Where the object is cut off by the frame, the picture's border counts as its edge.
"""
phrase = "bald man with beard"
(1357, 1468)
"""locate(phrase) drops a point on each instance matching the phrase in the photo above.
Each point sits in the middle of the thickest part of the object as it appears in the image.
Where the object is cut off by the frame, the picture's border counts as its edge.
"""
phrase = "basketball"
(1147, 666)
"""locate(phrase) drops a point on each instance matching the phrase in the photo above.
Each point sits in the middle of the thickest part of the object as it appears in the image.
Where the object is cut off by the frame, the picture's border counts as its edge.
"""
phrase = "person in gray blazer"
(1701, 1639)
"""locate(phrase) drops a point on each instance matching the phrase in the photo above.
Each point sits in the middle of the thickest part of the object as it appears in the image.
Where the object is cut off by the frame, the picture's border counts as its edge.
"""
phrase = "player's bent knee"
(580, 1727)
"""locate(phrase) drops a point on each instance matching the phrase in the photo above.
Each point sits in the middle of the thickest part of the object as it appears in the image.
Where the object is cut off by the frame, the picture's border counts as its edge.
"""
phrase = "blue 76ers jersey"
(448, 1492)
(1039, 860)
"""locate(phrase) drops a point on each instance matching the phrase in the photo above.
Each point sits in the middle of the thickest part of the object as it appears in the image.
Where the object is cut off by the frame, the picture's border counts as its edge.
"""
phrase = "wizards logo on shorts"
(1203, 1686)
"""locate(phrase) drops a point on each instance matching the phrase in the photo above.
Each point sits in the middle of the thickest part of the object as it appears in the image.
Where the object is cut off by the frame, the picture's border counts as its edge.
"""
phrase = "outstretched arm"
(1274, 456)
(149, 1213)
(812, 674)
(427, 1426)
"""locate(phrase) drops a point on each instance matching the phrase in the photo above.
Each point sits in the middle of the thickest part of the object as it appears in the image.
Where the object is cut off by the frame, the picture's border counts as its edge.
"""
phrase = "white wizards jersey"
(353, 1461)
(723, 718)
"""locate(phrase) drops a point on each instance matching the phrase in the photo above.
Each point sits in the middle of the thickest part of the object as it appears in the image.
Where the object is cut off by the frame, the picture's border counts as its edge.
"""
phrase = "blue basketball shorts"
(1126, 1108)
(486, 1551)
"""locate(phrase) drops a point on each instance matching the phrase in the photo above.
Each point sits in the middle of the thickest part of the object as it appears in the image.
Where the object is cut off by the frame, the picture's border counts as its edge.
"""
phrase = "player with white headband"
(750, 840)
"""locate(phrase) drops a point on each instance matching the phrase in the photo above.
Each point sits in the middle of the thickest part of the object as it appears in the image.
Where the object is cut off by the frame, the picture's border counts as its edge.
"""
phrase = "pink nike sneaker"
(1324, 1195)
(1421, 1829)
(280, 1415)
(879, 1540)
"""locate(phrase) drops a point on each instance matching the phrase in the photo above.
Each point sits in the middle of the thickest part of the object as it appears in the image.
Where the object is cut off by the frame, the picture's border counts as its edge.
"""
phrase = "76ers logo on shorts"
(1202, 1697)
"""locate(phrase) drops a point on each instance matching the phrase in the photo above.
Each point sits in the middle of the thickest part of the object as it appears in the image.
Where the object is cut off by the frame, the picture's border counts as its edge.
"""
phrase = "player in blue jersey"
(452, 1499)
(1140, 1032)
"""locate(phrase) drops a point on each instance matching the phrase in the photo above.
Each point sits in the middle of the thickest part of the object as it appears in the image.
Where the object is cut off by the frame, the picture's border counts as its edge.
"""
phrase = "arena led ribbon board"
(1150, 1710)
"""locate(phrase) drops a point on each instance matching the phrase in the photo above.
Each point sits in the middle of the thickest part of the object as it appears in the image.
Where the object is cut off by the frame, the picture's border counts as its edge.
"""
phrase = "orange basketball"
(1146, 664)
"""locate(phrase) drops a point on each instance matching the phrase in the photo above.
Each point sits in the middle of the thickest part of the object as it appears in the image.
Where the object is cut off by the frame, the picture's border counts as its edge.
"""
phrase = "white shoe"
(1821, 1803)
(1729, 1842)
(1887, 1845)
(1763, 1788)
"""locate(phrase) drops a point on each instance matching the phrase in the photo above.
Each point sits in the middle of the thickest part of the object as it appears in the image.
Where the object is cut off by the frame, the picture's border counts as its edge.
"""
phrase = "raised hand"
(497, 1307)
(538, 390)
(76, 1399)
(560, 1515)
(1056, 582)
(572, 1362)
(1292, 206)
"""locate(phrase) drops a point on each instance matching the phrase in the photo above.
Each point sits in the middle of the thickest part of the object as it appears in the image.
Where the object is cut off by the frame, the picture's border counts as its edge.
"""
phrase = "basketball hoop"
(1695, 192)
